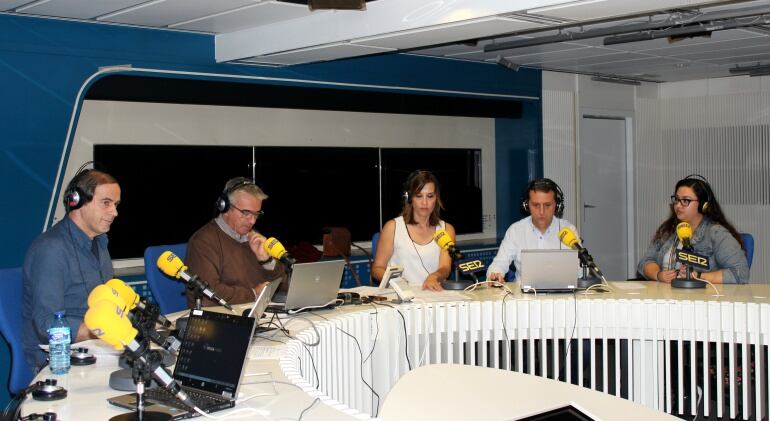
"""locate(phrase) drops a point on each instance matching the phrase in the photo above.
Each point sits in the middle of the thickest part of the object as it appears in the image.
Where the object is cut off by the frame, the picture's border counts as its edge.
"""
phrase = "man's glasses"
(247, 213)
(684, 202)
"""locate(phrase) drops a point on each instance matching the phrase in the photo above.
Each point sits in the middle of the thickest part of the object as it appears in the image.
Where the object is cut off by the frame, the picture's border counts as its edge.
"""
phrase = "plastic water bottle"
(59, 344)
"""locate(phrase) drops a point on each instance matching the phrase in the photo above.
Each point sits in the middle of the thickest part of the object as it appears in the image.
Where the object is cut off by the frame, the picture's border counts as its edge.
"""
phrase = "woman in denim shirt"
(694, 202)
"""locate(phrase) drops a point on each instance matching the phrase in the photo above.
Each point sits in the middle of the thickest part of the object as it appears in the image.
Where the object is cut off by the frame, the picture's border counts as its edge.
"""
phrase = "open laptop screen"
(213, 352)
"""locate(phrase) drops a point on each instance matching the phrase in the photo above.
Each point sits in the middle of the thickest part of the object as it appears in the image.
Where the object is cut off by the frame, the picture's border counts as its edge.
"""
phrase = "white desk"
(649, 340)
(450, 392)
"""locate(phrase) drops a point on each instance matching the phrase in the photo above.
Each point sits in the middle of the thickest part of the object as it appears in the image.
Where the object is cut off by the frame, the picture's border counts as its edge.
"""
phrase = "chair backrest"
(11, 327)
(375, 239)
(748, 243)
(168, 292)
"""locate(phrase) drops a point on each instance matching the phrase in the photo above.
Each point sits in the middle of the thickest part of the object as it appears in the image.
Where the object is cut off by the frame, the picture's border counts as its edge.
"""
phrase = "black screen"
(459, 175)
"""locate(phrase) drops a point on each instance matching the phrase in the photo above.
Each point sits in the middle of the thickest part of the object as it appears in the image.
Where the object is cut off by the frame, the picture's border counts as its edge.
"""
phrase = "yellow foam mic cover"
(568, 237)
(443, 239)
(104, 292)
(170, 264)
(108, 322)
(274, 248)
(684, 231)
(126, 293)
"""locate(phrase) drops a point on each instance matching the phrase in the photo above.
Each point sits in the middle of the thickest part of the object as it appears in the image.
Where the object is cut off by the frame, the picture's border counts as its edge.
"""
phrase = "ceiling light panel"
(445, 33)
(167, 12)
(316, 54)
(258, 14)
(77, 9)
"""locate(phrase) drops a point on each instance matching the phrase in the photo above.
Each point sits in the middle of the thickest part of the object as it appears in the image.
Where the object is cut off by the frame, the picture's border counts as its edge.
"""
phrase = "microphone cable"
(569, 341)
(406, 336)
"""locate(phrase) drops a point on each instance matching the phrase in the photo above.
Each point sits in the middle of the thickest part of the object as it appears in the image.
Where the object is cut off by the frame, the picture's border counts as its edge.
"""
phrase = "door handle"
(587, 206)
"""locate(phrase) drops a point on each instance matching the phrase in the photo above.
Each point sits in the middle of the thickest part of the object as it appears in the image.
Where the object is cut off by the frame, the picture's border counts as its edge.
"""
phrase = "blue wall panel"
(44, 63)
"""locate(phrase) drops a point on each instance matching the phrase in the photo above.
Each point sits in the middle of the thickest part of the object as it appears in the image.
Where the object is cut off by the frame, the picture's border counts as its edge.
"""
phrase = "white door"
(603, 193)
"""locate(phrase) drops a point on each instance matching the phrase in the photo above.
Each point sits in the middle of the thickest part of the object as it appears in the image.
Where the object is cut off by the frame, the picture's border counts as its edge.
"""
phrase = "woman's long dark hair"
(713, 211)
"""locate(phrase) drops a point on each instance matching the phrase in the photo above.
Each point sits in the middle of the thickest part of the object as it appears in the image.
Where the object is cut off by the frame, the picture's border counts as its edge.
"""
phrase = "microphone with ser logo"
(170, 264)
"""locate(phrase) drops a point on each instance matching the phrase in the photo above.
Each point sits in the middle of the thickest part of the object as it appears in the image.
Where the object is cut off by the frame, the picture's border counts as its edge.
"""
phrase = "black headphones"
(703, 207)
(544, 184)
(76, 195)
(223, 201)
(48, 391)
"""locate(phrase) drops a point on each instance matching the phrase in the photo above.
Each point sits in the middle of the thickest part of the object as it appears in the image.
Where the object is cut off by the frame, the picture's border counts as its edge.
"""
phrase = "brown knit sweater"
(229, 267)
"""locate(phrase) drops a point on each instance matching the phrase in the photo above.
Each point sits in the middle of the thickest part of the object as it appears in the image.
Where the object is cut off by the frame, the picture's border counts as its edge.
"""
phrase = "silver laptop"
(549, 270)
(311, 285)
(209, 366)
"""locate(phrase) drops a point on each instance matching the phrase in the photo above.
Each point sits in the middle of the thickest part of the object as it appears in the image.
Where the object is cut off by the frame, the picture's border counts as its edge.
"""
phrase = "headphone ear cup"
(407, 197)
(525, 206)
(73, 199)
(223, 203)
(704, 207)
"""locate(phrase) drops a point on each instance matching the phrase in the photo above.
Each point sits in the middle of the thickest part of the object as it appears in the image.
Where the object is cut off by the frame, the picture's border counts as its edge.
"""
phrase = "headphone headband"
(223, 201)
(76, 195)
(548, 185)
(703, 207)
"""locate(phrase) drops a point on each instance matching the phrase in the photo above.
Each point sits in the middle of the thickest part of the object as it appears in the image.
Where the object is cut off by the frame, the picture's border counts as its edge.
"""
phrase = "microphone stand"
(458, 284)
(687, 282)
(586, 263)
(141, 374)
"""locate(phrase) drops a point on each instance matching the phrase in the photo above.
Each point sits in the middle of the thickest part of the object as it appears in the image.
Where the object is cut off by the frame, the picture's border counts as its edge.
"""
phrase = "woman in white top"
(407, 241)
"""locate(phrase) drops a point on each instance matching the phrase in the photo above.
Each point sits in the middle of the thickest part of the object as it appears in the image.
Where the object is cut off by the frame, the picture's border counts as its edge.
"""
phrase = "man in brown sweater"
(226, 253)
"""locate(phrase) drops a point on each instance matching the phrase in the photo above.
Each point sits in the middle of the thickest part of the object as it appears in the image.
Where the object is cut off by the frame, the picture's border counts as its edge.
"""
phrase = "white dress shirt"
(523, 235)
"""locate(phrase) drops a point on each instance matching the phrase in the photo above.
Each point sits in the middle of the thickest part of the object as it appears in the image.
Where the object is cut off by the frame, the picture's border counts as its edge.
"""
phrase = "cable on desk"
(236, 413)
(299, 310)
(376, 333)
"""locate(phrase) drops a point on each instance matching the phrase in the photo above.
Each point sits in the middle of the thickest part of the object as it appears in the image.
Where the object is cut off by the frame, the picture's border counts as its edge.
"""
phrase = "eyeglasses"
(247, 213)
(684, 202)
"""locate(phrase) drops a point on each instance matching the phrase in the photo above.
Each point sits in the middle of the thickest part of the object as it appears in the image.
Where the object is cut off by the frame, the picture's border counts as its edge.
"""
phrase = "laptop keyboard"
(201, 400)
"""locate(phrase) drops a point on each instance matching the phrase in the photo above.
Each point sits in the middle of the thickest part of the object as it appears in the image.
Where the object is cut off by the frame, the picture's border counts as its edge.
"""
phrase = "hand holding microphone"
(277, 251)
(568, 237)
(170, 264)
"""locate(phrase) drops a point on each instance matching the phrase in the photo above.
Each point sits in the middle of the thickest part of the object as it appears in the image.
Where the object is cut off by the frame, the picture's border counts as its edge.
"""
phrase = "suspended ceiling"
(694, 39)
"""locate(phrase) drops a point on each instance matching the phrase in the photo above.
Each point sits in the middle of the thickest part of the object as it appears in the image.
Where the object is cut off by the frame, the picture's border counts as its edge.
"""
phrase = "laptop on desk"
(264, 299)
(311, 285)
(209, 366)
(549, 270)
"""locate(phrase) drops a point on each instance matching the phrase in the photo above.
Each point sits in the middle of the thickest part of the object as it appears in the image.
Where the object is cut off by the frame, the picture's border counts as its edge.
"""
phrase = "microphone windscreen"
(129, 296)
(274, 248)
(443, 239)
(170, 264)
(684, 231)
(108, 322)
(568, 237)
(104, 292)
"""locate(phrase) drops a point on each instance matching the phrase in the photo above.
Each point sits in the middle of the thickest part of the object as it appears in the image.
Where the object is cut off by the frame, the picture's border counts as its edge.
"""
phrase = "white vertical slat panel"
(559, 139)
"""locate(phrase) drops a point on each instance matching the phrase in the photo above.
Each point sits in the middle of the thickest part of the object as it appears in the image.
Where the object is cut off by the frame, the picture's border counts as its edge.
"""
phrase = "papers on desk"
(628, 285)
(366, 290)
(260, 352)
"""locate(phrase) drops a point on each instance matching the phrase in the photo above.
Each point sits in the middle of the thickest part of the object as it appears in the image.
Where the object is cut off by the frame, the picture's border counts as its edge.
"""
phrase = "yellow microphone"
(133, 300)
(444, 240)
(109, 323)
(568, 237)
(170, 264)
(684, 232)
(276, 250)
(105, 292)
(107, 320)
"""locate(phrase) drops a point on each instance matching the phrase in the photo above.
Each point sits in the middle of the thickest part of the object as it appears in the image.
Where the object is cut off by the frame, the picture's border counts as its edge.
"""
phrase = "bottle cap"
(59, 313)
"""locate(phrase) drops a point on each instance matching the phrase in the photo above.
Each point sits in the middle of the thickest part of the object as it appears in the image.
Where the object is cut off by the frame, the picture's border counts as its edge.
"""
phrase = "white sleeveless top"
(418, 261)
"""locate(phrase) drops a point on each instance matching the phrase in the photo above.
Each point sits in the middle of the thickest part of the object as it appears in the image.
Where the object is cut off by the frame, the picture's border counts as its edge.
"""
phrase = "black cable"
(406, 338)
(369, 258)
(302, 414)
(376, 333)
(312, 363)
(569, 341)
(361, 353)
(505, 330)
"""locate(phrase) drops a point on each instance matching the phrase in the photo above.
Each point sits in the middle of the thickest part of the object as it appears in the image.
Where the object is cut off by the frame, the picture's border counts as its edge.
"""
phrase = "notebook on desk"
(311, 285)
(549, 270)
(209, 366)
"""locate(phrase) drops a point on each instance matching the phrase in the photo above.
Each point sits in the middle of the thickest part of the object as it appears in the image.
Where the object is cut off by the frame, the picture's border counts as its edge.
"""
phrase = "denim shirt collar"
(80, 238)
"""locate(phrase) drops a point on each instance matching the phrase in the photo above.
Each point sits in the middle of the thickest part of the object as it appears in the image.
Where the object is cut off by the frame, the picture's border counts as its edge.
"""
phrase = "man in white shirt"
(544, 202)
